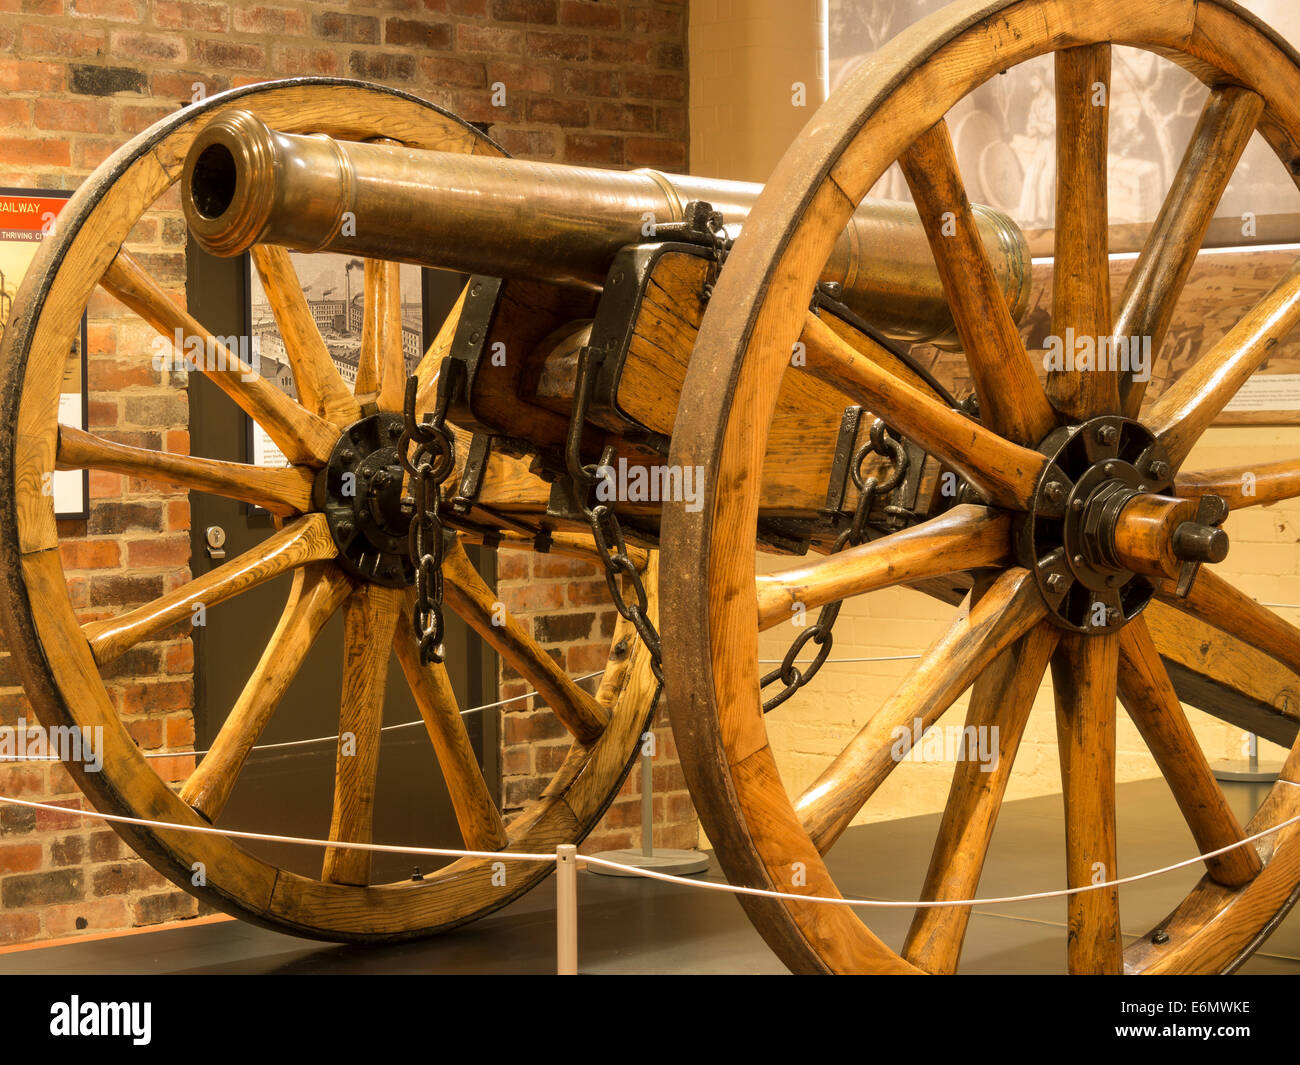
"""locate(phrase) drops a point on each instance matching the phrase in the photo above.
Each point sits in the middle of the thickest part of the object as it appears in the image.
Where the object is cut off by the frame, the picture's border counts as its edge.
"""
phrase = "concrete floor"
(638, 926)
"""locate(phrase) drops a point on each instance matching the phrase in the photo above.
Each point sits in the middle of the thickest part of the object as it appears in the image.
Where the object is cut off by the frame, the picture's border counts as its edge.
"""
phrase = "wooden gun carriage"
(623, 329)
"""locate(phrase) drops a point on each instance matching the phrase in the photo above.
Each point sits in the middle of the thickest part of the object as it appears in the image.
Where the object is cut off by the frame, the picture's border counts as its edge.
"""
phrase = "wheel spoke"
(965, 537)
(305, 540)
(369, 617)
(1216, 602)
(284, 491)
(318, 591)
(1219, 673)
(1084, 672)
(382, 366)
(300, 434)
(1186, 410)
(1081, 272)
(468, 594)
(1156, 281)
(426, 371)
(1003, 614)
(480, 821)
(321, 389)
(1152, 703)
(1003, 470)
(1011, 399)
(1001, 700)
(1244, 486)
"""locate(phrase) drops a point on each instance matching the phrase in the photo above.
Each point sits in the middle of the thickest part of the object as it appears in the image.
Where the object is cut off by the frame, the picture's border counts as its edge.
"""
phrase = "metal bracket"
(471, 479)
(845, 445)
(694, 227)
(589, 362)
(910, 489)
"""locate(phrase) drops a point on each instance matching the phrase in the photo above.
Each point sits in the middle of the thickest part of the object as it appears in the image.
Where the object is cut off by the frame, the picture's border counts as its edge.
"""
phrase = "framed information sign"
(27, 217)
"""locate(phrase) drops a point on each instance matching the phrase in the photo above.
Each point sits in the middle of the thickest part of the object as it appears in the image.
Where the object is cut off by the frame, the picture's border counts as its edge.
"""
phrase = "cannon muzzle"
(245, 184)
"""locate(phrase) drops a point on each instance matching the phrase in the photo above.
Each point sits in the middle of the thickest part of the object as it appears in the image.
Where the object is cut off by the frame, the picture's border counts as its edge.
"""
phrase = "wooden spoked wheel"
(1034, 454)
(60, 660)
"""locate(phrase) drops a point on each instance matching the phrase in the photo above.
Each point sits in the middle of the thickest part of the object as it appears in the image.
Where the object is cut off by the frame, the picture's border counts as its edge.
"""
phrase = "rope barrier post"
(566, 910)
(664, 860)
(1248, 770)
(647, 806)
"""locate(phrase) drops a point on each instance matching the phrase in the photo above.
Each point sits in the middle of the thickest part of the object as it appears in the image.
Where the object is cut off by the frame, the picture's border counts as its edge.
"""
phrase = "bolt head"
(1107, 434)
(1078, 560)
(346, 528)
(1054, 490)
(347, 455)
(1076, 505)
(1112, 616)
(1159, 470)
(1055, 582)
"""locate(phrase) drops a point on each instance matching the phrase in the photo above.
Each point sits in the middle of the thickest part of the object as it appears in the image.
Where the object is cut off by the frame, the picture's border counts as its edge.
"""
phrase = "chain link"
(879, 442)
(721, 245)
(612, 548)
(430, 465)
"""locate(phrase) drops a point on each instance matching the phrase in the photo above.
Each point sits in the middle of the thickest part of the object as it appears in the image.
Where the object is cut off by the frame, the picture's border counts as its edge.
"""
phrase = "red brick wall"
(600, 82)
(567, 599)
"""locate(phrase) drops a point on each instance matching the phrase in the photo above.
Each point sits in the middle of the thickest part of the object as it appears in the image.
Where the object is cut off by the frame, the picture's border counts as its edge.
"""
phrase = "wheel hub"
(1070, 536)
(360, 493)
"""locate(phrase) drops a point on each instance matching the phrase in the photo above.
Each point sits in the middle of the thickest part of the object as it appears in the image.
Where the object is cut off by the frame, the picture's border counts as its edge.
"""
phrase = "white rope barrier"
(386, 728)
(708, 885)
(304, 841)
(836, 661)
(568, 862)
(315, 739)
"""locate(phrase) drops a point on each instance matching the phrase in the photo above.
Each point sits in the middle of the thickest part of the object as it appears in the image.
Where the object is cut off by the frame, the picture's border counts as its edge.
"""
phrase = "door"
(288, 789)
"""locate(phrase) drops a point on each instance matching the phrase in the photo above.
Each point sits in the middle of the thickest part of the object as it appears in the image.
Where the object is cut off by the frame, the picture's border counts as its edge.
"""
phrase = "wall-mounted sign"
(27, 217)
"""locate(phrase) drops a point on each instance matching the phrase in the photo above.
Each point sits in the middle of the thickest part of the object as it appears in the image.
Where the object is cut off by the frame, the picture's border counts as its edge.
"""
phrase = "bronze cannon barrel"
(245, 183)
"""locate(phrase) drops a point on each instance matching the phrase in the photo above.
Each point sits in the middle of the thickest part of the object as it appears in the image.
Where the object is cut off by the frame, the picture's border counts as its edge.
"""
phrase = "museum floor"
(635, 926)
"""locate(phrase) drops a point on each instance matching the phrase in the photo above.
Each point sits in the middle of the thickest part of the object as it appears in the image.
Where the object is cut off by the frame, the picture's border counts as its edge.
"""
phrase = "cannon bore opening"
(213, 180)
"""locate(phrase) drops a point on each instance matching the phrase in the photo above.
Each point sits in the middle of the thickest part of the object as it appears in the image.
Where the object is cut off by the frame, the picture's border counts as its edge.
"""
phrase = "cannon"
(669, 375)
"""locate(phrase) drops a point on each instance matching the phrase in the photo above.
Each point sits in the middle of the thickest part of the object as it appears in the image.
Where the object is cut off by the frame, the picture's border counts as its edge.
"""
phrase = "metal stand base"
(677, 862)
(1250, 771)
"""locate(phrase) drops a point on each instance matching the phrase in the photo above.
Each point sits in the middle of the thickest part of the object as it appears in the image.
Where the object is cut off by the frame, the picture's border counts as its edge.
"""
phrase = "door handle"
(216, 537)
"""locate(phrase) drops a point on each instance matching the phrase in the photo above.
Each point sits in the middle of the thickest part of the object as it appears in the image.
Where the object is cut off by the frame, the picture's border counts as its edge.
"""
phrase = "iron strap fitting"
(606, 532)
(821, 632)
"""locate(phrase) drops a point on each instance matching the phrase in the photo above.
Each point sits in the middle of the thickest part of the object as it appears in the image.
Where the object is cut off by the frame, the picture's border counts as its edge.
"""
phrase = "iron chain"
(821, 633)
(429, 466)
(608, 535)
(720, 246)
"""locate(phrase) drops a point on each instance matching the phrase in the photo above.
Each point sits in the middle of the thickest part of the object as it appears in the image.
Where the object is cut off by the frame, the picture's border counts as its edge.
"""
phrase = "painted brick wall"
(600, 83)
